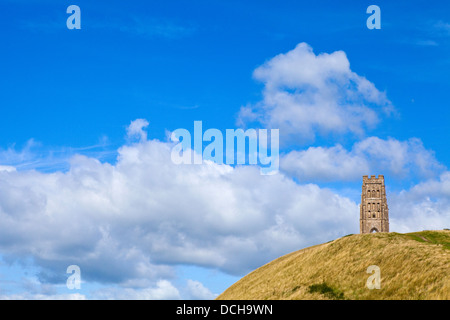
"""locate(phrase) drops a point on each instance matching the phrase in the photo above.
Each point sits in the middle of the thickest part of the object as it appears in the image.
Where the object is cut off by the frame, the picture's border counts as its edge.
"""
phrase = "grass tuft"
(326, 290)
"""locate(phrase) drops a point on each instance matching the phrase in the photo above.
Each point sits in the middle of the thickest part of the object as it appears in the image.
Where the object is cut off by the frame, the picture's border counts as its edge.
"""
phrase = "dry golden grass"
(412, 266)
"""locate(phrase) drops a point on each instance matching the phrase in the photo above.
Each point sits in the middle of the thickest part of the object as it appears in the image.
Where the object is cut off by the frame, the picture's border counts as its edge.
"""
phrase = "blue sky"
(67, 98)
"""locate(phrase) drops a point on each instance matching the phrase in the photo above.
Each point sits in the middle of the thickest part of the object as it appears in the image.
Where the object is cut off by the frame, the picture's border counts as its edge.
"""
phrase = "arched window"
(368, 193)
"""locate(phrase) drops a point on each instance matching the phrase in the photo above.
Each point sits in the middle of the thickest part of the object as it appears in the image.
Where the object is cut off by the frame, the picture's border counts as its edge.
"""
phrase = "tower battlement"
(374, 212)
(373, 178)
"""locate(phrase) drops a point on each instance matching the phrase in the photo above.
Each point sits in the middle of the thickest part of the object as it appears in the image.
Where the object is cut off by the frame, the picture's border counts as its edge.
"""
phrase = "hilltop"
(412, 266)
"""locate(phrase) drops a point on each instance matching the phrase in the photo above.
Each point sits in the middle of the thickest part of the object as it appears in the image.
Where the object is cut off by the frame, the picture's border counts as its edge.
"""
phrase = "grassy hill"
(412, 266)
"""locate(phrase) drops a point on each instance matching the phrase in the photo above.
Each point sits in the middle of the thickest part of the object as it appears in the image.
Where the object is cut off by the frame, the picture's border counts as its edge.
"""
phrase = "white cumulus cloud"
(398, 159)
(136, 129)
(307, 94)
(130, 221)
(197, 291)
(425, 206)
(163, 290)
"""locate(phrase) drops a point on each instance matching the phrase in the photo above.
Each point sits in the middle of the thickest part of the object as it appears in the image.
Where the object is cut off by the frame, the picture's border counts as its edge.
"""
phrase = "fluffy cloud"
(7, 168)
(306, 94)
(164, 290)
(372, 155)
(197, 291)
(129, 222)
(136, 129)
(28, 296)
(426, 206)
(325, 164)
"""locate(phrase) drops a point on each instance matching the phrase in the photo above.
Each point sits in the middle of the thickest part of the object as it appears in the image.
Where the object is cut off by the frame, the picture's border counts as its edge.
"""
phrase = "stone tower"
(374, 213)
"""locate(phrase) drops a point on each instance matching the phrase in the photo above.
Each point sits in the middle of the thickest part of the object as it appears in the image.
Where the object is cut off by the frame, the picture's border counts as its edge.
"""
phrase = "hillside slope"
(412, 266)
